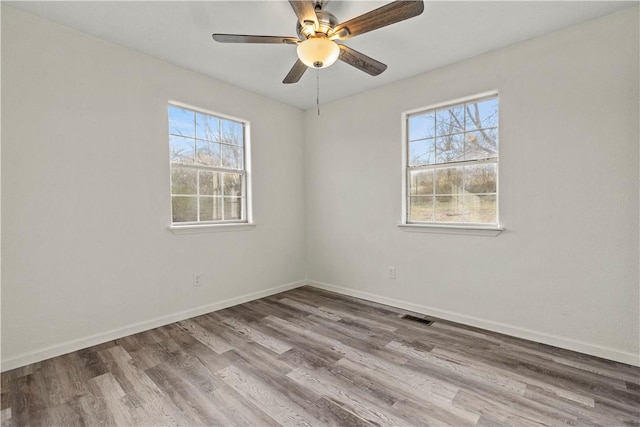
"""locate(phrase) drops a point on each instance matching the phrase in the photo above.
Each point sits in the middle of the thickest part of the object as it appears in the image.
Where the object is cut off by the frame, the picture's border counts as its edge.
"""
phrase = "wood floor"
(308, 357)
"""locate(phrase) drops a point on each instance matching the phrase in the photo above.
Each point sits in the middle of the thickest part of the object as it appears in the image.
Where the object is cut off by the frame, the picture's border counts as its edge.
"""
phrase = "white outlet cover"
(197, 279)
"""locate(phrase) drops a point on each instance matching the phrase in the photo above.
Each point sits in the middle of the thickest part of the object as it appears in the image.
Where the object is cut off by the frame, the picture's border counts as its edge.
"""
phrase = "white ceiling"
(180, 32)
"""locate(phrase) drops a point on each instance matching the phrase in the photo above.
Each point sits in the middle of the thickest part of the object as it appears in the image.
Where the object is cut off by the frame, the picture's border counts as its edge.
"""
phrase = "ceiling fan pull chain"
(318, 90)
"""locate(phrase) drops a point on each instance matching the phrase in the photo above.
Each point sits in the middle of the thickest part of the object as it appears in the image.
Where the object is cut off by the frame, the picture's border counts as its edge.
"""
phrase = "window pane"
(232, 184)
(184, 208)
(210, 208)
(450, 148)
(483, 114)
(450, 120)
(445, 181)
(480, 209)
(232, 208)
(208, 153)
(421, 152)
(210, 183)
(202, 148)
(231, 132)
(422, 126)
(181, 149)
(181, 121)
(449, 208)
(449, 180)
(421, 182)
(481, 144)
(207, 127)
(421, 208)
(480, 179)
(231, 156)
(206, 208)
(183, 181)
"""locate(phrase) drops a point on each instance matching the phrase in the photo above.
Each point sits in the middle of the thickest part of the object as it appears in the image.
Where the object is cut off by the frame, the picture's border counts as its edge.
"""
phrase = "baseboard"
(579, 346)
(78, 344)
(556, 341)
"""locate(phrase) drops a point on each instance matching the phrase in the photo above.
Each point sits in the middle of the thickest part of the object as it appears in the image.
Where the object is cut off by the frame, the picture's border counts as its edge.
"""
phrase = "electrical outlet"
(392, 272)
(197, 279)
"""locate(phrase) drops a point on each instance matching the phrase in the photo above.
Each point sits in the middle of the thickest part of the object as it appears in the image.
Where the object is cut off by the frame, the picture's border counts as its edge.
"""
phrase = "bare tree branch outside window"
(452, 163)
(207, 155)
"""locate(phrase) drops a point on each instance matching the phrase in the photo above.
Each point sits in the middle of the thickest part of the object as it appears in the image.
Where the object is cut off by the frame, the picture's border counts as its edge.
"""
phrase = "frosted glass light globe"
(318, 52)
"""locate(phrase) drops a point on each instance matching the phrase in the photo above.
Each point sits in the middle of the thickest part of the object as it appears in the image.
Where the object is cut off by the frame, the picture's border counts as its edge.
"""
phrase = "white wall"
(85, 204)
(565, 271)
(85, 194)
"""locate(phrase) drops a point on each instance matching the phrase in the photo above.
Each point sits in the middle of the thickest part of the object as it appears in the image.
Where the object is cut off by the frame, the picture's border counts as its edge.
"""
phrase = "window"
(452, 164)
(208, 157)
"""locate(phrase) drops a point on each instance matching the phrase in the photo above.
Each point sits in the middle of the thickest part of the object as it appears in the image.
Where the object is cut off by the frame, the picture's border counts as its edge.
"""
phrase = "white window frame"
(443, 227)
(246, 220)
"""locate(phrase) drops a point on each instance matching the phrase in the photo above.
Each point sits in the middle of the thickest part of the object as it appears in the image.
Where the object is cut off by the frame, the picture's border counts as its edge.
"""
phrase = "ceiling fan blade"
(295, 73)
(305, 11)
(361, 61)
(381, 17)
(245, 38)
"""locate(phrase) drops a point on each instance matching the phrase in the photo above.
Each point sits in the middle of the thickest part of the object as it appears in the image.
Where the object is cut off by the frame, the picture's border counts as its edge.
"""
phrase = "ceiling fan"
(318, 33)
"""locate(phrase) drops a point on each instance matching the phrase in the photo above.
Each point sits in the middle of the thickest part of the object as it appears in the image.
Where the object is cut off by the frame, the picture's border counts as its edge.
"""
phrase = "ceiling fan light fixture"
(318, 52)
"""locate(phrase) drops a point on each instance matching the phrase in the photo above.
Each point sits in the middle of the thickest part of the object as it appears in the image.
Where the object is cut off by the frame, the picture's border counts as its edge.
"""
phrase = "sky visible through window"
(464, 132)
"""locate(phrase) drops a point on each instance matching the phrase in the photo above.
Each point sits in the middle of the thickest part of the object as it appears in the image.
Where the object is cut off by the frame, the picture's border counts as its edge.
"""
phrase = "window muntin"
(208, 173)
(452, 164)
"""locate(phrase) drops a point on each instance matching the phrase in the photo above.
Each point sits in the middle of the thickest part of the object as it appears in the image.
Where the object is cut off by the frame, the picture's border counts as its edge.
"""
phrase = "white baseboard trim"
(527, 334)
(78, 344)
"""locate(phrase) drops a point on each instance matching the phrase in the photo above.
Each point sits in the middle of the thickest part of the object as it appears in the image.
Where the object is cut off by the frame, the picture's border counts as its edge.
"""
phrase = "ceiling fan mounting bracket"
(319, 4)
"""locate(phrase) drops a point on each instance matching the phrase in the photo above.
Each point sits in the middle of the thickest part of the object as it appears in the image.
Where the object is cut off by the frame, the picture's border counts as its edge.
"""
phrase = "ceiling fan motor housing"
(326, 22)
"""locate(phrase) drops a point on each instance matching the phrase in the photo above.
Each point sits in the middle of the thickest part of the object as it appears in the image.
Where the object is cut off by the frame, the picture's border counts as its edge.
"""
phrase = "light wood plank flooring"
(308, 357)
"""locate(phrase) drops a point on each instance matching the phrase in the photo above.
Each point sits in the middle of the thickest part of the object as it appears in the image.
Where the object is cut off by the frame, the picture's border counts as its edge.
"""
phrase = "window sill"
(210, 228)
(452, 229)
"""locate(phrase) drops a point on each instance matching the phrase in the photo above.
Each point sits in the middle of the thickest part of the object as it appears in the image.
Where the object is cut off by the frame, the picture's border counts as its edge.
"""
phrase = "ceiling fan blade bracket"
(340, 34)
(305, 11)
